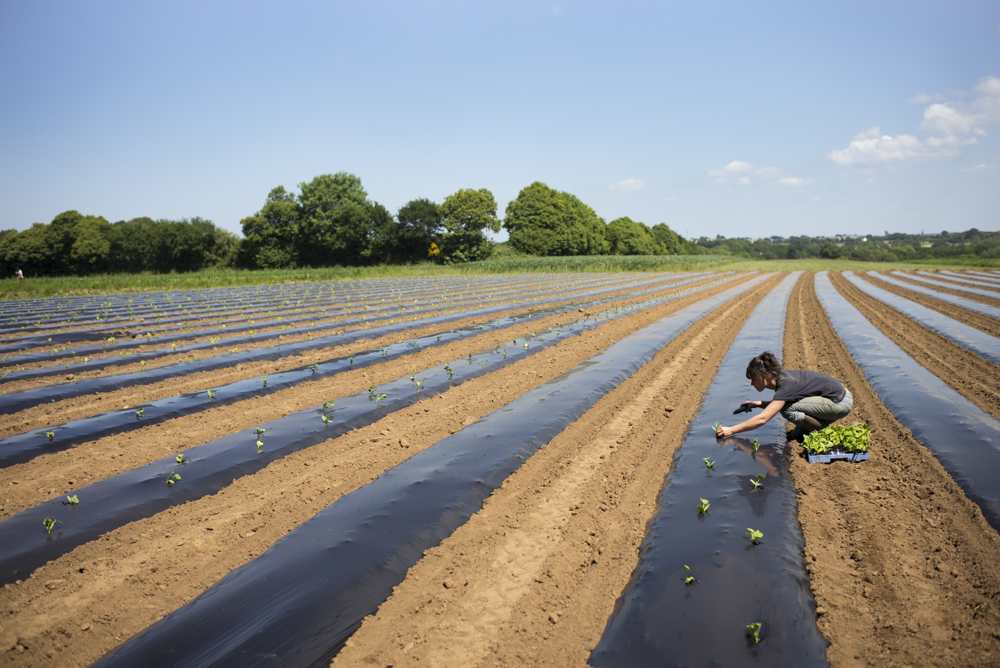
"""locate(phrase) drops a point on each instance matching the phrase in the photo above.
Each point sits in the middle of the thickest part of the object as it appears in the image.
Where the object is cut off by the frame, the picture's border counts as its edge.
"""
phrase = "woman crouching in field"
(808, 399)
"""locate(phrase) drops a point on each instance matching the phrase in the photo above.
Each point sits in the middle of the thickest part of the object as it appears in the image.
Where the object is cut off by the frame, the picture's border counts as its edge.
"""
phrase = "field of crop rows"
(498, 470)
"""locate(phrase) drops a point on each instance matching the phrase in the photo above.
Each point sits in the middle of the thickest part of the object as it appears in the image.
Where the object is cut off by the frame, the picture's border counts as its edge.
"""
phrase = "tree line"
(332, 221)
(75, 244)
(889, 247)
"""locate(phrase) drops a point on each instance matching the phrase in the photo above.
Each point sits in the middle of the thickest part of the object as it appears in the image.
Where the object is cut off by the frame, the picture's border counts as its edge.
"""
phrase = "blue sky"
(732, 118)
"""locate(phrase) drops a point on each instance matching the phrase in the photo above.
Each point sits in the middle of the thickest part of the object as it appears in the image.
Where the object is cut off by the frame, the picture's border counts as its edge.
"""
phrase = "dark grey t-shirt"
(795, 385)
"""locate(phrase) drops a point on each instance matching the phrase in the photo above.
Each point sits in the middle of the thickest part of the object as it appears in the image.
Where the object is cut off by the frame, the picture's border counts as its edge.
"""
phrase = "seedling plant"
(49, 524)
(758, 482)
(171, 479)
(703, 506)
(708, 463)
(852, 438)
(753, 631)
(72, 500)
(689, 580)
(754, 535)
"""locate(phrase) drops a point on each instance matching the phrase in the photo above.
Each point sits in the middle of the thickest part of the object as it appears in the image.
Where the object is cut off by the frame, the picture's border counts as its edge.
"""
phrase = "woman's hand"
(722, 432)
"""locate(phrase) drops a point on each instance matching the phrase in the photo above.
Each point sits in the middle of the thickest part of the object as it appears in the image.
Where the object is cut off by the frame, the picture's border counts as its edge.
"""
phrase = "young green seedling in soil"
(371, 390)
(757, 483)
(329, 404)
(379, 398)
(265, 381)
(171, 479)
(181, 458)
(326, 420)
(709, 464)
(753, 630)
(314, 367)
(689, 580)
(260, 444)
(138, 413)
(211, 393)
(260, 432)
(756, 445)
(50, 435)
(49, 524)
(715, 427)
(703, 506)
(73, 500)
(754, 535)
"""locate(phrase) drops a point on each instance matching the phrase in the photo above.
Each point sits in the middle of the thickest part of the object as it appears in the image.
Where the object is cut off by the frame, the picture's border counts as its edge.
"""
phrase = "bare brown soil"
(904, 568)
(983, 323)
(989, 301)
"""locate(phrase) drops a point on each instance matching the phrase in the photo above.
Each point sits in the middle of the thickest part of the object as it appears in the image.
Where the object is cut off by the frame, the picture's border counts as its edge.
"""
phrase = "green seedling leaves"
(73, 500)
(689, 580)
(171, 479)
(326, 420)
(138, 413)
(49, 524)
(849, 438)
(703, 506)
(708, 463)
(211, 393)
(181, 459)
(756, 445)
(260, 432)
(757, 482)
(260, 444)
(754, 535)
(753, 631)
(715, 427)
(50, 435)
(379, 398)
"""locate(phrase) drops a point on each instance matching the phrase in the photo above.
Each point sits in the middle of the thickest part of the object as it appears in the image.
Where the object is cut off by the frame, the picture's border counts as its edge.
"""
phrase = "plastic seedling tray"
(837, 455)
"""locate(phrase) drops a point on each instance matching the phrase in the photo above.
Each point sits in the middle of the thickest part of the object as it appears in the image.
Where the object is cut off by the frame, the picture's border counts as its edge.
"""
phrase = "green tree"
(418, 225)
(91, 249)
(335, 223)
(466, 215)
(672, 243)
(30, 251)
(628, 237)
(270, 234)
(545, 222)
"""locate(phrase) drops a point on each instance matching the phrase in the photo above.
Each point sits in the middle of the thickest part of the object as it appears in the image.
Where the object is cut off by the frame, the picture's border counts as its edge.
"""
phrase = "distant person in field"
(19, 276)
(808, 399)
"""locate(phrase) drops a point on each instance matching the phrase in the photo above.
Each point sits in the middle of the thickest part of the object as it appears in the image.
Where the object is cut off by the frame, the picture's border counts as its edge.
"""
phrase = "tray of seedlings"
(838, 443)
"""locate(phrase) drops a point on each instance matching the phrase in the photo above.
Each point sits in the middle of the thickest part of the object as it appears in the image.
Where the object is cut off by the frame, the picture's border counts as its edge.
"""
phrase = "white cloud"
(629, 185)
(873, 148)
(744, 173)
(982, 167)
(950, 126)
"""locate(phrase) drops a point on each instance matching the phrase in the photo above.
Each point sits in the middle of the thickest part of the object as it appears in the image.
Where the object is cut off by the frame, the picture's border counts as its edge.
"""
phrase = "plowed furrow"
(903, 565)
(533, 577)
(965, 372)
(83, 604)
